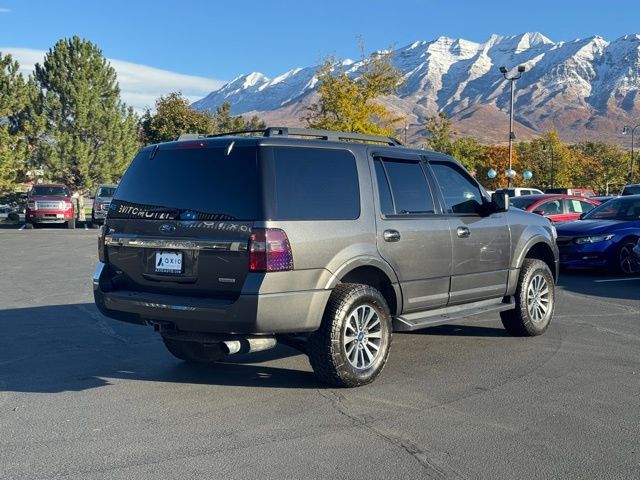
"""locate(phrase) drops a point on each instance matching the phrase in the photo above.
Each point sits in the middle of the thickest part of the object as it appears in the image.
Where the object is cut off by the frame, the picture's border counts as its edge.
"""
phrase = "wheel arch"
(375, 273)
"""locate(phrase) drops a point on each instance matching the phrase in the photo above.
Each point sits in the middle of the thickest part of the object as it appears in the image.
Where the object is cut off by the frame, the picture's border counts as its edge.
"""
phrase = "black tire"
(327, 349)
(624, 264)
(522, 321)
(71, 224)
(191, 352)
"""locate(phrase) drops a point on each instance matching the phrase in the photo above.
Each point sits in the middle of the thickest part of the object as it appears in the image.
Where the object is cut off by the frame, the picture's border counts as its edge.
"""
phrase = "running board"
(416, 321)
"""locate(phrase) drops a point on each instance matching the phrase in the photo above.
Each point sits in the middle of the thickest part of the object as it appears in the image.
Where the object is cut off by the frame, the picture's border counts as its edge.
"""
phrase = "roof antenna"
(229, 148)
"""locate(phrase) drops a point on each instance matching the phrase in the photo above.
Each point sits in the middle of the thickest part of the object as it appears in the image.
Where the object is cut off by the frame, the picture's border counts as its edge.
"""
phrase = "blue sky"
(219, 40)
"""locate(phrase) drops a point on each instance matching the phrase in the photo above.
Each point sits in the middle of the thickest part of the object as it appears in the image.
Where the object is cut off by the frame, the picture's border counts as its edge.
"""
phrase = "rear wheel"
(535, 301)
(352, 345)
(625, 263)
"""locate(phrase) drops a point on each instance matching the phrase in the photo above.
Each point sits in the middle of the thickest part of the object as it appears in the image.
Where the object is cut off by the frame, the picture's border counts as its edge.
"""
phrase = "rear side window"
(409, 188)
(310, 184)
(190, 177)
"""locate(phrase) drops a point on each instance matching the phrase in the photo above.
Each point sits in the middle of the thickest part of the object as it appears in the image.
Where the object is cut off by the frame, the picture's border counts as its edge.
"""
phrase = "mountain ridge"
(587, 89)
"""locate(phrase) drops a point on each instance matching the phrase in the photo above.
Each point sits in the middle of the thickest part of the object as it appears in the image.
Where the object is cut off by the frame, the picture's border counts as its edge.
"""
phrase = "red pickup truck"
(49, 203)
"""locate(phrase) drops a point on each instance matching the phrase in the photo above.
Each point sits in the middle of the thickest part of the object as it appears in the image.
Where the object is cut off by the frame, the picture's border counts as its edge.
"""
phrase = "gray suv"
(324, 241)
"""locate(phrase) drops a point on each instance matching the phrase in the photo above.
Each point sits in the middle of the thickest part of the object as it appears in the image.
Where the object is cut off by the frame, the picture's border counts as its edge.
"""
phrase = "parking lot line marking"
(23, 226)
(617, 279)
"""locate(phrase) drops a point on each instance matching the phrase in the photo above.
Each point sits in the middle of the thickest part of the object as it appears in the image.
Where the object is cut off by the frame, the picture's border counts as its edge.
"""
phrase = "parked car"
(579, 192)
(49, 204)
(635, 257)
(557, 208)
(603, 237)
(101, 202)
(633, 189)
(326, 242)
(517, 192)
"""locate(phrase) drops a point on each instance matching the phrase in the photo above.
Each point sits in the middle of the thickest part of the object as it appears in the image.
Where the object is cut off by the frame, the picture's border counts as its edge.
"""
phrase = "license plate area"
(168, 262)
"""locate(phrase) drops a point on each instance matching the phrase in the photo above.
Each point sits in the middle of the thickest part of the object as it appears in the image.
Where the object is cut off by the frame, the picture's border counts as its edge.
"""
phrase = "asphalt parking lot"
(85, 397)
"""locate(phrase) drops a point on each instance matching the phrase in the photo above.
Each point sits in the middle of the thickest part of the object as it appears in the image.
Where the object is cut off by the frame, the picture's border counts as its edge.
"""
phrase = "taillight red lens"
(269, 251)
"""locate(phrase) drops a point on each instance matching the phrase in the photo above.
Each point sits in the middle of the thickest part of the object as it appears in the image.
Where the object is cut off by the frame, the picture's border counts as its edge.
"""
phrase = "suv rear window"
(191, 177)
(310, 184)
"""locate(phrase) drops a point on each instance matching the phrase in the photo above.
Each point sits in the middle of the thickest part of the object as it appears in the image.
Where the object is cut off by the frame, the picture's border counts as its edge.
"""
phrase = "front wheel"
(535, 301)
(352, 345)
(625, 262)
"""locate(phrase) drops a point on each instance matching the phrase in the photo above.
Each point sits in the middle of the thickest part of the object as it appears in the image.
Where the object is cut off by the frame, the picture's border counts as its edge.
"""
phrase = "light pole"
(627, 129)
(512, 80)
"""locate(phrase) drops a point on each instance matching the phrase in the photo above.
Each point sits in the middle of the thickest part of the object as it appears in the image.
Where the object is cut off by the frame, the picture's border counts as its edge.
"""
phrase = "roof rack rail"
(317, 134)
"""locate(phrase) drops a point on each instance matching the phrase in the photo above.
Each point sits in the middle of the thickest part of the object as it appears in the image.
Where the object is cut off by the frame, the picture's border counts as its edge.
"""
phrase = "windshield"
(42, 190)
(631, 190)
(191, 180)
(522, 202)
(616, 209)
(106, 191)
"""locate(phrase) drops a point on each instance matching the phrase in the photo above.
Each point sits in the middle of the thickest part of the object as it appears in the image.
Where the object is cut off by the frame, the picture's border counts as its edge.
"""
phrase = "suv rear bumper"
(270, 313)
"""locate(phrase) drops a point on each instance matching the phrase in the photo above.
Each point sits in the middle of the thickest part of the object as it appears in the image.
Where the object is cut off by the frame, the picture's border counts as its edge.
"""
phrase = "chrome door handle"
(391, 235)
(463, 232)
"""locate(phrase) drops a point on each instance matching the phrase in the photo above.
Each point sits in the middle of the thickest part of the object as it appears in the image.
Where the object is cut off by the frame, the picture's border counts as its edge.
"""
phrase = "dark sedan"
(556, 207)
(603, 237)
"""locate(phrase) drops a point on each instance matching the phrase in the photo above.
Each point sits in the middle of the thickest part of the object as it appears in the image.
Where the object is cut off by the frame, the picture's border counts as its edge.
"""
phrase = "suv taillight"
(269, 251)
(102, 253)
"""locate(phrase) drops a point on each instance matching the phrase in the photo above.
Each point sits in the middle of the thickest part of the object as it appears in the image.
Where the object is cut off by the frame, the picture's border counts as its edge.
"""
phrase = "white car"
(518, 192)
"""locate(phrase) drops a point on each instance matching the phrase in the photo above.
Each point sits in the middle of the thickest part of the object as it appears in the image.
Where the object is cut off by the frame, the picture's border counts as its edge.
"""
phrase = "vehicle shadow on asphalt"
(61, 348)
(600, 284)
(461, 331)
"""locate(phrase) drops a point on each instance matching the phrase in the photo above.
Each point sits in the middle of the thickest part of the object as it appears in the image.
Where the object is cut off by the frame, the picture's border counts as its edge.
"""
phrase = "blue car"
(603, 237)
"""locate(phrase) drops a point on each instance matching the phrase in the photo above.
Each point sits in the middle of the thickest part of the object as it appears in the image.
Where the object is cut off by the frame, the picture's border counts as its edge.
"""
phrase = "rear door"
(181, 218)
(481, 245)
(412, 236)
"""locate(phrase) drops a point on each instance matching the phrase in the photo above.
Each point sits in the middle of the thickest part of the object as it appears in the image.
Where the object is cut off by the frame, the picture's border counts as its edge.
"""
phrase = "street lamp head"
(625, 130)
(503, 70)
(521, 68)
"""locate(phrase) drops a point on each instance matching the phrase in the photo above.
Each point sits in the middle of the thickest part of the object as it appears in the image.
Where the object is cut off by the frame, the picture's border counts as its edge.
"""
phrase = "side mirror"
(539, 212)
(500, 202)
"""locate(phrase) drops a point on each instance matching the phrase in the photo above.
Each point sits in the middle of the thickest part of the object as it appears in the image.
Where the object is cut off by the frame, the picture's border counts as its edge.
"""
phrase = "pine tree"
(350, 104)
(15, 96)
(90, 135)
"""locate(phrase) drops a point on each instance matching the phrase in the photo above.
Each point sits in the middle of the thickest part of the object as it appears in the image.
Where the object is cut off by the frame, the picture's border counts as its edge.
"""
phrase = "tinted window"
(461, 193)
(187, 177)
(106, 191)
(386, 204)
(311, 184)
(616, 209)
(631, 190)
(409, 187)
(522, 202)
(41, 190)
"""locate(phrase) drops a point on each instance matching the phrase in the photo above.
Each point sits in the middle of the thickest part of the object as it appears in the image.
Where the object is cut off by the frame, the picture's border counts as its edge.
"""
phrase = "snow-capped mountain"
(585, 88)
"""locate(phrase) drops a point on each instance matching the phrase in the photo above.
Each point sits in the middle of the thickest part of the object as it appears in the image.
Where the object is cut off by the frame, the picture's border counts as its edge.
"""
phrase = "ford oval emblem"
(167, 228)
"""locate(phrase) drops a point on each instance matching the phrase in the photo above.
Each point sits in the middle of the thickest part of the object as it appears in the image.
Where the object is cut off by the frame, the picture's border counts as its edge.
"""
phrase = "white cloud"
(140, 85)
(5, 10)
